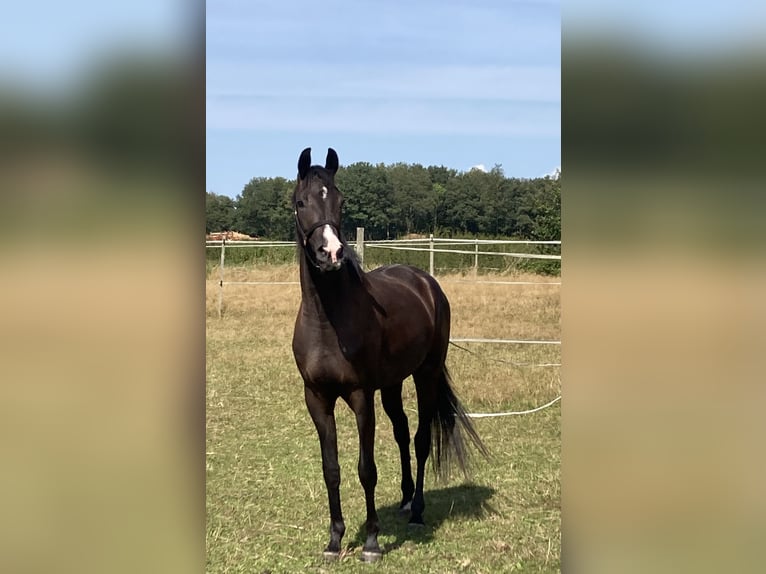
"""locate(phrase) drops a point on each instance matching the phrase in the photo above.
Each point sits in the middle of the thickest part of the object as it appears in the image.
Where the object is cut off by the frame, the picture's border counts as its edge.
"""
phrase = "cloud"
(480, 167)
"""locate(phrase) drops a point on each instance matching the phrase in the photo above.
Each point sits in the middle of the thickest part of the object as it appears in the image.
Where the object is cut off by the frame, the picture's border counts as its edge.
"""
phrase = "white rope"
(515, 364)
(509, 341)
(457, 241)
(486, 415)
(217, 244)
(496, 241)
(261, 283)
(471, 281)
(441, 281)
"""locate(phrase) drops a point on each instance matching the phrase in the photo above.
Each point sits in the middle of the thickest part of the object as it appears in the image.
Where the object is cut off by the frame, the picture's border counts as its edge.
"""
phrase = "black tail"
(449, 428)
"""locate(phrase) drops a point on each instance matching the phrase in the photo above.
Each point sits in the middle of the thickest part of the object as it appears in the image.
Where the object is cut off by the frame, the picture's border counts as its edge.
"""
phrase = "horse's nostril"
(340, 252)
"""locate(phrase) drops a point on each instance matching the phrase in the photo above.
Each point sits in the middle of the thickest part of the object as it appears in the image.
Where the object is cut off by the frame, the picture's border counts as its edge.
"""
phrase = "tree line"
(395, 200)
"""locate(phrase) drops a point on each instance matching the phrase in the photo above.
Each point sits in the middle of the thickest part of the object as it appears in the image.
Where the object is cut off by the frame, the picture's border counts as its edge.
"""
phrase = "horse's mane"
(352, 260)
(358, 274)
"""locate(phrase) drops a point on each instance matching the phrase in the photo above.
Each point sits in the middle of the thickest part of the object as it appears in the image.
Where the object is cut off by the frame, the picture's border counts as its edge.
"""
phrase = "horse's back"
(392, 283)
(414, 312)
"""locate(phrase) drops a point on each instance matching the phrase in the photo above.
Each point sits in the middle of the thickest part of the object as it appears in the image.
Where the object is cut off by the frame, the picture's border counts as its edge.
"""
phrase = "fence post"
(360, 245)
(431, 254)
(220, 284)
(476, 259)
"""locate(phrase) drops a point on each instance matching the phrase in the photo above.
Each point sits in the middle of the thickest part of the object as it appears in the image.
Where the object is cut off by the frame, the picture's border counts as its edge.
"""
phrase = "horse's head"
(317, 205)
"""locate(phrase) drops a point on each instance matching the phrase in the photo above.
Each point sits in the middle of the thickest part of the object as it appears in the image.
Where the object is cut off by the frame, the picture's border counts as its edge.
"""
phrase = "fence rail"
(432, 249)
(431, 245)
(381, 242)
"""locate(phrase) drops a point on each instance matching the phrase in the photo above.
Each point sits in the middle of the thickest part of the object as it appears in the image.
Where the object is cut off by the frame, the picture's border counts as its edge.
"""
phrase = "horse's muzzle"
(330, 258)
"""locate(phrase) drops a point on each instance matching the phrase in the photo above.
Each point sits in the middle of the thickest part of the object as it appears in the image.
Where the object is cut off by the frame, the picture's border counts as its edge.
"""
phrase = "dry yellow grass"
(487, 375)
(266, 499)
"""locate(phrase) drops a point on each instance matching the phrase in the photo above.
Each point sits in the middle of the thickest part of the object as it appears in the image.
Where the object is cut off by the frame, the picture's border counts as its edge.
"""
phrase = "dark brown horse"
(359, 332)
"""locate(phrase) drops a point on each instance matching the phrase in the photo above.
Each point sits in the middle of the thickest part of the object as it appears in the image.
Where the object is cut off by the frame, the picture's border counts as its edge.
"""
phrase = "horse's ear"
(304, 163)
(331, 163)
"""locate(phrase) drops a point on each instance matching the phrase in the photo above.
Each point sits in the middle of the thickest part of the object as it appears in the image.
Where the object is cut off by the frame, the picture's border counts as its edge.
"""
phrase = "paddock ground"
(266, 500)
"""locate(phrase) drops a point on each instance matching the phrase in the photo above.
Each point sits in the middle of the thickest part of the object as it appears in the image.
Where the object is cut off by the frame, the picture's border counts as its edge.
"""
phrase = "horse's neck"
(337, 297)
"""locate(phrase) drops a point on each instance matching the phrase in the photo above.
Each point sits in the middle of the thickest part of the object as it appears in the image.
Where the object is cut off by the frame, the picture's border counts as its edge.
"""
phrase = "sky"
(48, 45)
(447, 82)
(459, 83)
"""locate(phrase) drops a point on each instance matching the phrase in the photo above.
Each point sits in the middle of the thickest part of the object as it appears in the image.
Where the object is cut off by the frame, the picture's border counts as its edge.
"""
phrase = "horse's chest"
(328, 360)
(323, 366)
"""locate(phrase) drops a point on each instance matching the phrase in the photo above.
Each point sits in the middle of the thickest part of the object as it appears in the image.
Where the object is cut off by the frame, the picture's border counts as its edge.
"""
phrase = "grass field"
(266, 499)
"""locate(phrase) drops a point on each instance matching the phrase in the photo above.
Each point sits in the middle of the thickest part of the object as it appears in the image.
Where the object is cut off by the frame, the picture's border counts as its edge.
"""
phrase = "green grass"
(266, 499)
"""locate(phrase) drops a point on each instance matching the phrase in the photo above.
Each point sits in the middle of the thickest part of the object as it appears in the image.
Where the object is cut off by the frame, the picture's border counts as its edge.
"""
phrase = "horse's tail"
(449, 429)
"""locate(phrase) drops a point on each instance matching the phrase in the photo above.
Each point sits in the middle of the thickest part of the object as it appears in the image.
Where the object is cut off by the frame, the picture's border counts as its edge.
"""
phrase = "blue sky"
(458, 83)
(49, 45)
(448, 82)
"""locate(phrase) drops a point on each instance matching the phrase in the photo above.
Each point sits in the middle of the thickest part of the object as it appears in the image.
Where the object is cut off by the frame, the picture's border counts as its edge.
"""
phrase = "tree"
(462, 203)
(390, 201)
(548, 209)
(220, 213)
(438, 193)
(489, 187)
(264, 210)
(412, 196)
(537, 214)
(368, 200)
(440, 174)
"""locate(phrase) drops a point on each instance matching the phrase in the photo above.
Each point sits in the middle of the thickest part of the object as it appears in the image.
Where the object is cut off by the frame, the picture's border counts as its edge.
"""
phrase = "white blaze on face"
(324, 192)
(331, 243)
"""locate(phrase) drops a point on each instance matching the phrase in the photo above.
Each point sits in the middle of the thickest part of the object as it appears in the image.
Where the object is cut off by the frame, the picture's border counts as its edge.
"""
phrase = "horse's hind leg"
(391, 398)
(426, 387)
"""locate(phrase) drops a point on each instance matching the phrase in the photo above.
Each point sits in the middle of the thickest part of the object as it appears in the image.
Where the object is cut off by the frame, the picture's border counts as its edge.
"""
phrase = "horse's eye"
(299, 203)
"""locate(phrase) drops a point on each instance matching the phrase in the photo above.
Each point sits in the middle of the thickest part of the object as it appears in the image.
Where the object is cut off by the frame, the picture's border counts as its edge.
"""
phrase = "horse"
(359, 332)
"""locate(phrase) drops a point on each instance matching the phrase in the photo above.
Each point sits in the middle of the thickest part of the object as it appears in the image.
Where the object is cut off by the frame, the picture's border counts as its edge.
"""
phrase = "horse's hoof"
(369, 556)
(330, 556)
(416, 523)
(405, 508)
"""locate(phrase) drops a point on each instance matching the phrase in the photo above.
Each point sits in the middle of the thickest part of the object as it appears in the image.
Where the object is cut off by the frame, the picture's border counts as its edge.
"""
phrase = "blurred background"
(664, 276)
(101, 346)
(101, 298)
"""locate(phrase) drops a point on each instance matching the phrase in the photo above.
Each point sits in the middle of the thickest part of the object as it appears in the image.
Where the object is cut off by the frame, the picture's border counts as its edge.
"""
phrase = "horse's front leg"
(363, 404)
(321, 408)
